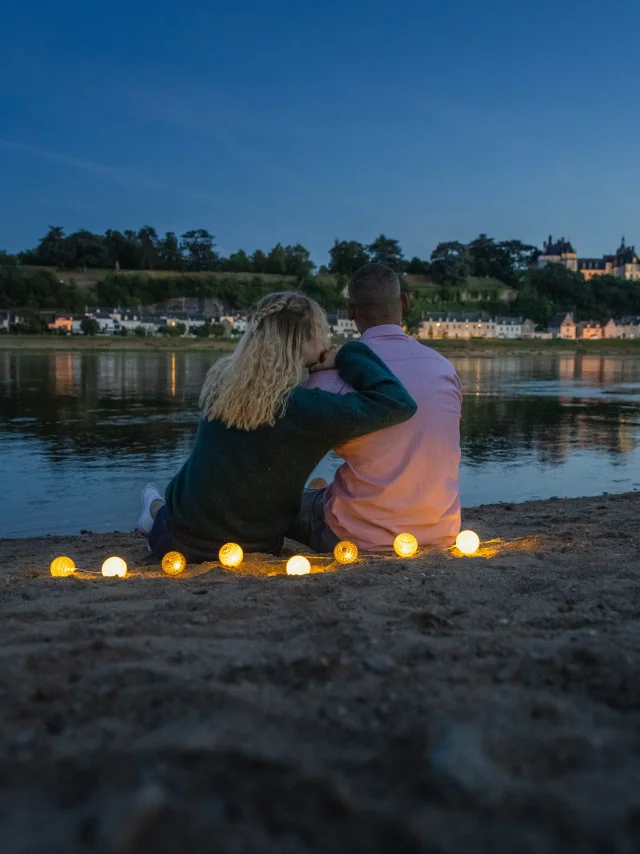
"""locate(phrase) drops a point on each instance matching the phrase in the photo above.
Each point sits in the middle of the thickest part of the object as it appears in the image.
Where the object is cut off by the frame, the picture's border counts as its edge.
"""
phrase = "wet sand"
(439, 704)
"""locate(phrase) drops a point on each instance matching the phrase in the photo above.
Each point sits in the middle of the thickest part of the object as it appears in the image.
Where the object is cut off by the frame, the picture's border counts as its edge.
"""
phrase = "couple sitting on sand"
(283, 400)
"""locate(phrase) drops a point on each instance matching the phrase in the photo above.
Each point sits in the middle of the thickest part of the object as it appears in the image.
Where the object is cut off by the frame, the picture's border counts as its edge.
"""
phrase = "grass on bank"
(499, 345)
(112, 343)
(476, 346)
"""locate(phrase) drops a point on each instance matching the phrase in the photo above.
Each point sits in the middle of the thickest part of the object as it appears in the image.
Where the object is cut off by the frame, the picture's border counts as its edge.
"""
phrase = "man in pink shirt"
(404, 478)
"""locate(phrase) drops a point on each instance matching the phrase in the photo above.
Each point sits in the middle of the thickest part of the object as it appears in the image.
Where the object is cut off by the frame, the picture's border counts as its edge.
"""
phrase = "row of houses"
(561, 325)
(112, 321)
(473, 325)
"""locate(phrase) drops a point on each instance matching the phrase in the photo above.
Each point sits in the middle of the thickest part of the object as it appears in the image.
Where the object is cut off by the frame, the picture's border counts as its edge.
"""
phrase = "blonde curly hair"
(250, 388)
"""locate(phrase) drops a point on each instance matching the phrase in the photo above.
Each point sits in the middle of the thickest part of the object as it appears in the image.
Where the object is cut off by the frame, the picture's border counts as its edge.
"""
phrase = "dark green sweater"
(245, 486)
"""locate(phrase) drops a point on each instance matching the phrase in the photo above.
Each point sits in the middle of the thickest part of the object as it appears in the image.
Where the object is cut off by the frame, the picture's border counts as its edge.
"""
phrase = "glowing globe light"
(467, 542)
(298, 565)
(173, 563)
(346, 552)
(62, 567)
(114, 566)
(405, 545)
(231, 555)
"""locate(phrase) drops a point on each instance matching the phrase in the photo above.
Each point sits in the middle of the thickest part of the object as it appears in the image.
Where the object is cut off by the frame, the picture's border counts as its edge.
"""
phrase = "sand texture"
(441, 704)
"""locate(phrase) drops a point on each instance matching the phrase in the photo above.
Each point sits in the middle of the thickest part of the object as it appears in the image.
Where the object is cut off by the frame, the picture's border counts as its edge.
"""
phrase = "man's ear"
(405, 302)
(351, 311)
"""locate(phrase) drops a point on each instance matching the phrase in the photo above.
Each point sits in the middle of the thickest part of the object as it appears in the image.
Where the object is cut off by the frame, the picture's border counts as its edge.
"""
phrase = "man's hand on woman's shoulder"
(326, 362)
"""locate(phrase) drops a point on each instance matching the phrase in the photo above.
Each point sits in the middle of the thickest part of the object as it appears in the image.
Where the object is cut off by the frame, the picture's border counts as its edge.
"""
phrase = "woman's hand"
(326, 362)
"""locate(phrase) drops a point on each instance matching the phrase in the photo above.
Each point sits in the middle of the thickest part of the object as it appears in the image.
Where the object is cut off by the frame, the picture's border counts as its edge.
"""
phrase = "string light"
(114, 566)
(346, 552)
(467, 542)
(231, 555)
(298, 565)
(62, 567)
(405, 545)
(173, 563)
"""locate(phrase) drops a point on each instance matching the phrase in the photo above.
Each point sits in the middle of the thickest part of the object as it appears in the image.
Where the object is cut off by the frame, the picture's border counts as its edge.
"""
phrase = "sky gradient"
(305, 121)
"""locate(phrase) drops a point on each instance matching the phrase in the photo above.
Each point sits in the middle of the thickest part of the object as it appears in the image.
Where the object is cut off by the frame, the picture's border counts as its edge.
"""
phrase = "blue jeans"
(160, 537)
(310, 527)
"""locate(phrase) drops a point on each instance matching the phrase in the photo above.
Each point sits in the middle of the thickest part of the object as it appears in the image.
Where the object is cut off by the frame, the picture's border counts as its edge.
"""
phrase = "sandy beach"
(439, 704)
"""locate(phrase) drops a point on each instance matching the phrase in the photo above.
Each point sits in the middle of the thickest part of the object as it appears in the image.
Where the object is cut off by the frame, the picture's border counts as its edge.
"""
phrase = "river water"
(81, 432)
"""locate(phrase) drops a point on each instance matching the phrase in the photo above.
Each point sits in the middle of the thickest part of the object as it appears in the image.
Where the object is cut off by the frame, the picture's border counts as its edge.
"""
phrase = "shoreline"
(360, 708)
(477, 347)
(110, 343)
(135, 543)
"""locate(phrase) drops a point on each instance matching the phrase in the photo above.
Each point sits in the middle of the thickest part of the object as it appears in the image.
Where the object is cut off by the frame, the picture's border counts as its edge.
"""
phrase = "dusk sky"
(298, 120)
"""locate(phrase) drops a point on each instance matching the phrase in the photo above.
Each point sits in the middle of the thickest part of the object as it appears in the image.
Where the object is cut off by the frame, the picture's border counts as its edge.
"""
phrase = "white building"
(436, 325)
(108, 321)
(628, 327)
(8, 318)
(612, 329)
(132, 320)
(194, 322)
(528, 329)
(191, 322)
(76, 324)
(508, 327)
(345, 327)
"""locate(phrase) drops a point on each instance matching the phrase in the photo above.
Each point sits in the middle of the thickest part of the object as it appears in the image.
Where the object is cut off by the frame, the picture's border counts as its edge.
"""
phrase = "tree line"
(454, 270)
(195, 251)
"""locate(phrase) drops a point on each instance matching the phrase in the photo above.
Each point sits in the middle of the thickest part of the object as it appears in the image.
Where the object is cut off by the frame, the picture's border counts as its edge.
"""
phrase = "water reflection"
(548, 405)
(550, 427)
(100, 404)
(93, 426)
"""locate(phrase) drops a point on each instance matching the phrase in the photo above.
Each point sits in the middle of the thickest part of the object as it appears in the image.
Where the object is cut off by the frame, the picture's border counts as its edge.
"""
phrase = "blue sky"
(275, 120)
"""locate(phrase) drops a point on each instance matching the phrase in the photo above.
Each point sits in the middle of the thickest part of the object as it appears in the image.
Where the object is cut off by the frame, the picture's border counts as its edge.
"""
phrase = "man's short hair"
(373, 287)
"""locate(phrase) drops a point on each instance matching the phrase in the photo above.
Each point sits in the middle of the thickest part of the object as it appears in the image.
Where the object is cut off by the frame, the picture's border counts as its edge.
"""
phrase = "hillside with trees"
(141, 267)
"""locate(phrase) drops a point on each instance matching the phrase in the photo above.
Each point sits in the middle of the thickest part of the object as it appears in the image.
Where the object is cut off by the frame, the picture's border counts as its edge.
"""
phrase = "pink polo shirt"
(404, 478)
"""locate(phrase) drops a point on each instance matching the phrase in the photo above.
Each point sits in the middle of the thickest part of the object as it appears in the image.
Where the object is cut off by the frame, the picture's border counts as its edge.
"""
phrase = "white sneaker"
(148, 495)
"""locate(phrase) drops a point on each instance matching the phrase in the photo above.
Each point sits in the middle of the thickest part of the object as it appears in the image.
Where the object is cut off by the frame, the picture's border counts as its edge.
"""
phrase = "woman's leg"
(160, 536)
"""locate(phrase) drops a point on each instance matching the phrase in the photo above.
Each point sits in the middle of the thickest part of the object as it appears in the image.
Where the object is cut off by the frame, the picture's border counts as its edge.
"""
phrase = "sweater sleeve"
(380, 400)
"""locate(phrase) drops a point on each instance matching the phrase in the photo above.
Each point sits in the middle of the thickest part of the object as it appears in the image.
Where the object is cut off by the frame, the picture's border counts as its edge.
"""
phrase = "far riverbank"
(477, 346)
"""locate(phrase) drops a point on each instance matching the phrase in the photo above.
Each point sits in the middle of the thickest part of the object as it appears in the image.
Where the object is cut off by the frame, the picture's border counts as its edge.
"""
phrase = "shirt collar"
(386, 330)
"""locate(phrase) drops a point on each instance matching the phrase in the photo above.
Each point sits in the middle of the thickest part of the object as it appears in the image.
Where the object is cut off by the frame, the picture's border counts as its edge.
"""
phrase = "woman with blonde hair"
(261, 433)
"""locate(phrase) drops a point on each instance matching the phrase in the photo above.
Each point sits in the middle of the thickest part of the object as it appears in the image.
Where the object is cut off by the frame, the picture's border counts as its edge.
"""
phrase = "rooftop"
(558, 247)
(561, 317)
